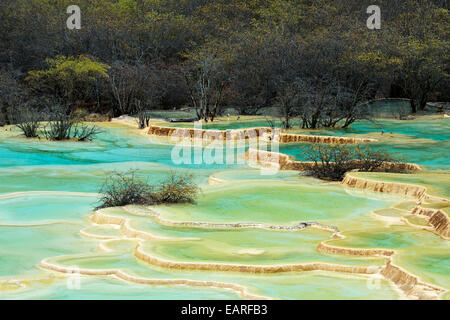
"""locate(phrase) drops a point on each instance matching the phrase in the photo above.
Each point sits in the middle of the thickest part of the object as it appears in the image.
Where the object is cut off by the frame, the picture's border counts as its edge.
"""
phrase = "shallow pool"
(48, 192)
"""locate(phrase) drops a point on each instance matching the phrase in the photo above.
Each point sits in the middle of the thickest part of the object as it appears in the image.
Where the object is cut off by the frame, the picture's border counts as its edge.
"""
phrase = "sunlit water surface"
(48, 191)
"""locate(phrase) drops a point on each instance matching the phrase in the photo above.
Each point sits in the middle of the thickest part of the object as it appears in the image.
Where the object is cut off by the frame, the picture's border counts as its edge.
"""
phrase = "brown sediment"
(404, 189)
(235, 134)
(286, 162)
(354, 251)
(440, 223)
(239, 289)
(437, 219)
(248, 133)
(409, 284)
(315, 266)
(289, 138)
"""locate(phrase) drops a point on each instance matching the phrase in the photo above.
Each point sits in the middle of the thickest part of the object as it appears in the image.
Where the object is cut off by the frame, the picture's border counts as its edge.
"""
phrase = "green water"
(38, 209)
(419, 252)
(242, 245)
(83, 178)
(431, 154)
(24, 247)
(286, 286)
(424, 141)
(116, 144)
(242, 174)
(37, 225)
(113, 289)
(277, 203)
(436, 183)
(437, 129)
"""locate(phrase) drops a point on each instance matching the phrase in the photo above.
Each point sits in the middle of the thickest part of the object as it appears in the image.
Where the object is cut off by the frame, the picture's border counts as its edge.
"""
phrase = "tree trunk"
(413, 105)
(348, 122)
(314, 121)
(423, 103)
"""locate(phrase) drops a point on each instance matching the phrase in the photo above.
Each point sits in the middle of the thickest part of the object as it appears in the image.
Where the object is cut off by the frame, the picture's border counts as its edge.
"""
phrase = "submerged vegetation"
(331, 162)
(120, 189)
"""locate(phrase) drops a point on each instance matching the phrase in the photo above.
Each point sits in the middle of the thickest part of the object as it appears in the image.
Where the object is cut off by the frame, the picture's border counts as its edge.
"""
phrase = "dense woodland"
(312, 60)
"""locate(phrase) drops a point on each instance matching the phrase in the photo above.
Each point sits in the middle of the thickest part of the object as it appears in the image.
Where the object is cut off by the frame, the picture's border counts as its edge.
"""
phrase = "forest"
(316, 61)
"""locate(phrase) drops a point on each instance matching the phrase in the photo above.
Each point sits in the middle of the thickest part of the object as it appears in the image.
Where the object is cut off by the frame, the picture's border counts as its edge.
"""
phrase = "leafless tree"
(331, 162)
(11, 97)
(143, 116)
(206, 78)
(322, 102)
(132, 83)
(27, 119)
(287, 102)
(120, 189)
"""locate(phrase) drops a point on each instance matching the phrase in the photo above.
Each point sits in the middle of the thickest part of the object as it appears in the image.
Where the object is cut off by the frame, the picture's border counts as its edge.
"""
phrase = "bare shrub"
(63, 125)
(143, 115)
(331, 162)
(26, 119)
(12, 94)
(2, 119)
(60, 125)
(371, 160)
(83, 132)
(177, 188)
(120, 189)
(401, 113)
(143, 119)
